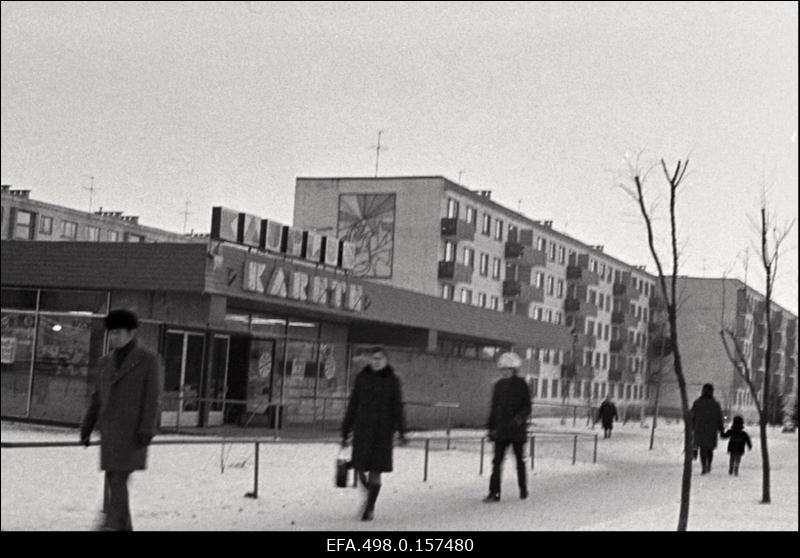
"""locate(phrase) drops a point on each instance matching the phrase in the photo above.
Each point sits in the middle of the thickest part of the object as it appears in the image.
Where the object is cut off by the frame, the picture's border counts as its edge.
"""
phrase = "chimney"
(599, 247)
(24, 194)
(548, 224)
(6, 188)
(485, 193)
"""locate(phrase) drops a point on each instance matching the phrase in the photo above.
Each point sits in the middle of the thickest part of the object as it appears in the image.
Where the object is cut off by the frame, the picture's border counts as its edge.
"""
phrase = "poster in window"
(367, 220)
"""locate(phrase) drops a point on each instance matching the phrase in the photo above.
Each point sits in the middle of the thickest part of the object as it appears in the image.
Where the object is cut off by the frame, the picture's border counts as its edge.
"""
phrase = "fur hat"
(121, 319)
(509, 360)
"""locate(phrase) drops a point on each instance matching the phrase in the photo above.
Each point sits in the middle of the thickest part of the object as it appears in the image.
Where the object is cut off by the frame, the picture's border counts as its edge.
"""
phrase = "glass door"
(218, 380)
(183, 370)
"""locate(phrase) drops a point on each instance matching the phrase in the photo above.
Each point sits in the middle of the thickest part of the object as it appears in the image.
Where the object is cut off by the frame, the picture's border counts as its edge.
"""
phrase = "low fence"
(258, 442)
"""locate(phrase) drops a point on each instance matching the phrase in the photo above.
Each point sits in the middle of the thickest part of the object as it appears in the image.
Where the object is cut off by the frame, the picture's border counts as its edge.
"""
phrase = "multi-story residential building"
(430, 235)
(26, 219)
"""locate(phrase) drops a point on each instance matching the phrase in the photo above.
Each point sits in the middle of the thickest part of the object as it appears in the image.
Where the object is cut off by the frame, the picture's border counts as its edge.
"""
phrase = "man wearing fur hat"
(508, 423)
(125, 408)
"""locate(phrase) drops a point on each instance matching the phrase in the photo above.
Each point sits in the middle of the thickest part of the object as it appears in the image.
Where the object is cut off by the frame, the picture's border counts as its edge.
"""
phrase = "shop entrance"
(218, 380)
(183, 370)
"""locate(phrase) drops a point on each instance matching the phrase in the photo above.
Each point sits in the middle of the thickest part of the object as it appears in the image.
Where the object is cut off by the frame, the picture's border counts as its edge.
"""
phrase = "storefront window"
(66, 347)
(88, 302)
(17, 352)
(18, 299)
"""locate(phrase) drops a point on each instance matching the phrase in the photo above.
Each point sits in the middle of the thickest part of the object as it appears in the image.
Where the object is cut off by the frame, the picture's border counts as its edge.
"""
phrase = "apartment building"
(431, 235)
(24, 218)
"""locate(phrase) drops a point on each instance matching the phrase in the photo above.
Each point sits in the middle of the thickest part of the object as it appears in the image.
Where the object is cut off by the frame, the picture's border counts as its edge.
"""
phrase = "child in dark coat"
(738, 439)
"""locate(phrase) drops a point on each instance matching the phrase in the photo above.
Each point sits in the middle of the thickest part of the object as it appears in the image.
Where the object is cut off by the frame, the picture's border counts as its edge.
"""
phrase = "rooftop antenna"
(185, 214)
(91, 190)
(378, 151)
(459, 176)
(519, 206)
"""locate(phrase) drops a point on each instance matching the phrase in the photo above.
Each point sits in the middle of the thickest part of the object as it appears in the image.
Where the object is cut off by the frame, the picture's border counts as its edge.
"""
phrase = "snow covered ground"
(202, 487)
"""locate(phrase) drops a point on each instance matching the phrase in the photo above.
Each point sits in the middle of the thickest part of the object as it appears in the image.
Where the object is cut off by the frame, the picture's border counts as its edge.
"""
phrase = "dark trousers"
(736, 458)
(706, 456)
(115, 502)
(497, 465)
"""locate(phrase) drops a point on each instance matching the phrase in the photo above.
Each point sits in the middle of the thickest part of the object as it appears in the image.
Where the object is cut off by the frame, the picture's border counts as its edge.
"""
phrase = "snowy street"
(185, 487)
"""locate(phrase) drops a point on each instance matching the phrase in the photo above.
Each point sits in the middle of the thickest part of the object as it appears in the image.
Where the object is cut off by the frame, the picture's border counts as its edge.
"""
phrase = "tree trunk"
(688, 433)
(765, 499)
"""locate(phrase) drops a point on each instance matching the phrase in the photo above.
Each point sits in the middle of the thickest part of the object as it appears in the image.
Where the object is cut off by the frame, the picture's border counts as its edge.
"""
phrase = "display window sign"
(312, 247)
(284, 280)
(292, 242)
(224, 224)
(272, 234)
(249, 230)
(330, 248)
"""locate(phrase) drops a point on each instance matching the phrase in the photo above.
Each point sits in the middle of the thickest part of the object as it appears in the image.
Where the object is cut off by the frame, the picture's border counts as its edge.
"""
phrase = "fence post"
(427, 448)
(575, 448)
(574, 414)
(594, 457)
(483, 443)
(254, 493)
(533, 451)
(180, 408)
(448, 428)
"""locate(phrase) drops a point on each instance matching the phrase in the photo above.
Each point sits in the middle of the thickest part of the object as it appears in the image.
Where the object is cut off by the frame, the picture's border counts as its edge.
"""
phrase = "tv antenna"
(91, 190)
(378, 151)
(186, 214)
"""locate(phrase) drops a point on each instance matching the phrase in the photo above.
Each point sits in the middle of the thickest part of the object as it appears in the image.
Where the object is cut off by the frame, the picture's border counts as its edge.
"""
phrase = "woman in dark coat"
(607, 414)
(706, 417)
(374, 413)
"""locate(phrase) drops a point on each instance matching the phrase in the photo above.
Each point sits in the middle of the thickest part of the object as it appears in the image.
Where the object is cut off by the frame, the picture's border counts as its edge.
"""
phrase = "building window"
(549, 316)
(551, 281)
(449, 251)
(447, 292)
(561, 254)
(486, 227)
(538, 313)
(23, 225)
(554, 391)
(485, 264)
(544, 388)
(552, 252)
(452, 208)
(560, 288)
(130, 237)
(541, 244)
(46, 225)
(628, 392)
(494, 303)
(69, 230)
(92, 233)
(601, 300)
(471, 215)
(469, 258)
(592, 297)
(482, 300)
(113, 236)
(589, 327)
(496, 267)
(466, 296)
(605, 327)
(605, 361)
(539, 280)
(558, 318)
(498, 229)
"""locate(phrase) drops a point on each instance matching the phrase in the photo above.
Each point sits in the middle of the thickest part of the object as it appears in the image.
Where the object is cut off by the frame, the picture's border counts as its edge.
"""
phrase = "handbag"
(342, 466)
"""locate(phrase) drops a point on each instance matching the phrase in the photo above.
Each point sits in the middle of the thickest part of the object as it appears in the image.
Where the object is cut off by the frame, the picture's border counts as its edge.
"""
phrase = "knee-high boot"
(372, 496)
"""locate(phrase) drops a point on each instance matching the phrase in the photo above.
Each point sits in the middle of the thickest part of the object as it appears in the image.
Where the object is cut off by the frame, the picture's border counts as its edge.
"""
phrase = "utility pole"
(185, 214)
(91, 190)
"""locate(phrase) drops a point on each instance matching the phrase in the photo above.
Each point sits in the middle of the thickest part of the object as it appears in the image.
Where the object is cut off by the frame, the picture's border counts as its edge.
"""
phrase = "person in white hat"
(508, 423)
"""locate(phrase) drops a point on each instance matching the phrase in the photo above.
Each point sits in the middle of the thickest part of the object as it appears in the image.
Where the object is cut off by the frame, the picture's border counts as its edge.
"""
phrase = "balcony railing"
(455, 229)
(454, 271)
(582, 275)
(522, 291)
(580, 307)
(521, 254)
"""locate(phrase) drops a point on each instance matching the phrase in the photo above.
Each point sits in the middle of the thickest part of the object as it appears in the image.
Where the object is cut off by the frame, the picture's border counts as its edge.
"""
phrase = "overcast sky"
(227, 103)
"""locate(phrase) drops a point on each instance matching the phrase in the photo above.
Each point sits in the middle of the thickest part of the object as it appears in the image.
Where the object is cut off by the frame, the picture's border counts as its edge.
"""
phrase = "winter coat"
(738, 439)
(510, 409)
(374, 413)
(125, 408)
(607, 414)
(706, 417)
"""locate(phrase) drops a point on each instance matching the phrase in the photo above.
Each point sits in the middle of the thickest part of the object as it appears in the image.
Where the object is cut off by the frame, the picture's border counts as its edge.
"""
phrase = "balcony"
(615, 374)
(457, 230)
(618, 346)
(454, 271)
(582, 275)
(623, 319)
(577, 371)
(521, 254)
(584, 340)
(627, 292)
(522, 292)
(580, 307)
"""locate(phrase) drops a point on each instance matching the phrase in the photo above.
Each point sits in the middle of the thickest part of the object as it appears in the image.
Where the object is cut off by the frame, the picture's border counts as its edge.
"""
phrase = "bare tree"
(668, 292)
(769, 260)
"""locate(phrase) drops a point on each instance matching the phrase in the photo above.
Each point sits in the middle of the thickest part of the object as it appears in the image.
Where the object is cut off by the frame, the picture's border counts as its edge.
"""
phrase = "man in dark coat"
(607, 414)
(706, 416)
(374, 413)
(125, 408)
(508, 423)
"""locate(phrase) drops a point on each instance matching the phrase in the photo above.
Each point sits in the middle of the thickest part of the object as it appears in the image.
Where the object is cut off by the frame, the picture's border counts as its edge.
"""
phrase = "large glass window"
(46, 225)
(23, 225)
(17, 353)
(69, 230)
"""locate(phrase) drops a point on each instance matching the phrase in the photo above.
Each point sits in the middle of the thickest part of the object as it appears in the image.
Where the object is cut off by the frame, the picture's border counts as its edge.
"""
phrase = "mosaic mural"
(367, 220)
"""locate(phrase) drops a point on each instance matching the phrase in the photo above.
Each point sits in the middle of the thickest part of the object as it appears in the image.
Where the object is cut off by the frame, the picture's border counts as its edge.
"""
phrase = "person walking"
(738, 439)
(508, 423)
(706, 416)
(607, 414)
(374, 412)
(125, 408)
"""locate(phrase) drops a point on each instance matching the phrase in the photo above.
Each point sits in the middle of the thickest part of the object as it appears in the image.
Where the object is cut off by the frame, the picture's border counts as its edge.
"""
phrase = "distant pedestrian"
(374, 413)
(706, 416)
(125, 407)
(738, 440)
(508, 423)
(607, 414)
